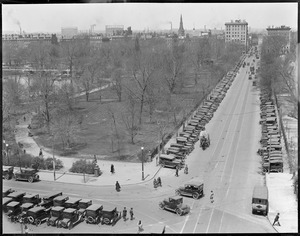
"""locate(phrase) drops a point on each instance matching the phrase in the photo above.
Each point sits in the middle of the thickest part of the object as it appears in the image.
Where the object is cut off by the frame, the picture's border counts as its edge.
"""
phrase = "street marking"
(197, 219)
(210, 219)
(221, 221)
(186, 219)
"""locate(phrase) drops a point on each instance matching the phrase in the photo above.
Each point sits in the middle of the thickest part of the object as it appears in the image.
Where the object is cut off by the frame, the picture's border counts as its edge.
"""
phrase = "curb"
(272, 225)
(102, 185)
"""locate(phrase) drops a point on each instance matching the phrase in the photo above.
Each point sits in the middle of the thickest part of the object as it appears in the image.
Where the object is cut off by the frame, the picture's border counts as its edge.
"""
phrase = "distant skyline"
(143, 16)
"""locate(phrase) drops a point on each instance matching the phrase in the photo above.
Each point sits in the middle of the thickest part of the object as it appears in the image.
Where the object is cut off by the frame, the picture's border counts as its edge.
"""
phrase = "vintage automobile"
(16, 196)
(72, 203)
(70, 217)
(28, 174)
(93, 214)
(60, 200)
(83, 205)
(178, 152)
(110, 217)
(22, 218)
(6, 191)
(193, 188)
(32, 198)
(7, 172)
(260, 201)
(5, 201)
(55, 215)
(48, 200)
(170, 161)
(174, 204)
(38, 215)
(13, 209)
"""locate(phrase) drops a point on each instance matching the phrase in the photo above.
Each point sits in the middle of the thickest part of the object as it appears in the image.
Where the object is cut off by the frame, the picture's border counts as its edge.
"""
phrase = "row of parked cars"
(185, 141)
(271, 150)
(54, 209)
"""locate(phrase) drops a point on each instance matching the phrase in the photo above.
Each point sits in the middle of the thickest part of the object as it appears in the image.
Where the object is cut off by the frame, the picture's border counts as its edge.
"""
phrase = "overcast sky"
(140, 16)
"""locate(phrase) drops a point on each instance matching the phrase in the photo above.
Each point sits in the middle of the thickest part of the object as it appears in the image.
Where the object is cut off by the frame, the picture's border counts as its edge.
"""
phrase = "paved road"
(229, 167)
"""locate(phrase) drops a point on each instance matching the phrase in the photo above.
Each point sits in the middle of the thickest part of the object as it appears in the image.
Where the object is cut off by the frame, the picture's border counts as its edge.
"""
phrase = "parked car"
(174, 204)
(93, 214)
(260, 203)
(6, 191)
(38, 215)
(60, 200)
(83, 205)
(22, 218)
(72, 203)
(7, 172)
(13, 210)
(170, 161)
(29, 175)
(32, 198)
(193, 188)
(16, 196)
(110, 217)
(48, 199)
(5, 201)
(70, 217)
(55, 215)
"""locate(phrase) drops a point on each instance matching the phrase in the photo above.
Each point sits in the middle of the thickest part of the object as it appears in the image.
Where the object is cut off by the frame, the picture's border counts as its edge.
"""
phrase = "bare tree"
(114, 129)
(129, 118)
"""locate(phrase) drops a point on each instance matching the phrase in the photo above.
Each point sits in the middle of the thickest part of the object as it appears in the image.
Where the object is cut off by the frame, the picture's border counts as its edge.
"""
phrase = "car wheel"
(253, 211)
(196, 196)
(30, 219)
(161, 206)
(178, 212)
(7, 177)
(177, 192)
(38, 222)
(30, 179)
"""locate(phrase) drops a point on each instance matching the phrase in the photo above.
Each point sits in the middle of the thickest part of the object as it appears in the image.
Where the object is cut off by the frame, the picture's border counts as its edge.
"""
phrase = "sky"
(143, 16)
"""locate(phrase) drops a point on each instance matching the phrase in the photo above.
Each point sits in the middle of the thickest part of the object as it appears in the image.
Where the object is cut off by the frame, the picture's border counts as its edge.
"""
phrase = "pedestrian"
(140, 227)
(176, 174)
(24, 118)
(164, 230)
(118, 187)
(159, 181)
(41, 152)
(95, 160)
(211, 196)
(112, 169)
(26, 229)
(276, 220)
(131, 213)
(124, 213)
(186, 170)
(154, 183)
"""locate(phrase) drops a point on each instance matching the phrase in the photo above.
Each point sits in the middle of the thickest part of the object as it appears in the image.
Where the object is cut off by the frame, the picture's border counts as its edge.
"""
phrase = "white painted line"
(210, 219)
(195, 227)
(186, 219)
(221, 222)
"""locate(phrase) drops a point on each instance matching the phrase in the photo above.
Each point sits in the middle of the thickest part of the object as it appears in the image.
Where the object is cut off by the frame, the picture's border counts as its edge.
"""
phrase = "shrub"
(83, 166)
(49, 164)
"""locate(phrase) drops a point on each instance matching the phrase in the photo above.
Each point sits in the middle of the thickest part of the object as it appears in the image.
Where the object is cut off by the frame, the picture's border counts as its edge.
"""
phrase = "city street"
(230, 168)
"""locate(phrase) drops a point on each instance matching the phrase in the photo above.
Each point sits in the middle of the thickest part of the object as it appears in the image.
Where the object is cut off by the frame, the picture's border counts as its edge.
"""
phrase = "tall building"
(237, 31)
(284, 31)
(114, 30)
(69, 32)
(181, 30)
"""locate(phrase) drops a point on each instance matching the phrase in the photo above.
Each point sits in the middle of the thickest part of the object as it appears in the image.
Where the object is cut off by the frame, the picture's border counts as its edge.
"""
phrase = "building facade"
(69, 32)
(114, 30)
(237, 31)
(283, 31)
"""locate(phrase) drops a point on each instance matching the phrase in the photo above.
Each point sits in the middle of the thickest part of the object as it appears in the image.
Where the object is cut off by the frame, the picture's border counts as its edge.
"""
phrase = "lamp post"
(142, 163)
(7, 154)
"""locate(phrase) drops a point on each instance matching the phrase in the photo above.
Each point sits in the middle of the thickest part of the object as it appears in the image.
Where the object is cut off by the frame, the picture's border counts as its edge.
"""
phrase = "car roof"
(94, 207)
(6, 167)
(195, 181)
(85, 200)
(36, 209)
(16, 194)
(6, 200)
(13, 203)
(169, 157)
(30, 195)
(60, 197)
(57, 208)
(176, 197)
(51, 194)
(69, 210)
(27, 204)
(73, 200)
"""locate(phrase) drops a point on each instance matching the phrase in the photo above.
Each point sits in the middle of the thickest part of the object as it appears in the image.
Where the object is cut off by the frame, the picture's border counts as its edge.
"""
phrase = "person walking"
(140, 227)
(159, 181)
(211, 196)
(124, 214)
(154, 183)
(186, 169)
(131, 213)
(24, 118)
(118, 187)
(41, 152)
(112, 169)
(176, 173)
(276, 220)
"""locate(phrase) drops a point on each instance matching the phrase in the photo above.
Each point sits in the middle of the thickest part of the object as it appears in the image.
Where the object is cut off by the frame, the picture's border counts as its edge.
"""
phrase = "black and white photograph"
(149, 118)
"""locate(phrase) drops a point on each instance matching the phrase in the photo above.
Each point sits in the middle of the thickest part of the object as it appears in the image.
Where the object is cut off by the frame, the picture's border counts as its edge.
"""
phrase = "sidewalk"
(125, 172)
(282, 200)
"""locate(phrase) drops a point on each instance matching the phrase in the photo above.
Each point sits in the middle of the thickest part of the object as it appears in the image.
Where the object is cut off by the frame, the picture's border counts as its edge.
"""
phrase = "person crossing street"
(131, 213)
(124, 214)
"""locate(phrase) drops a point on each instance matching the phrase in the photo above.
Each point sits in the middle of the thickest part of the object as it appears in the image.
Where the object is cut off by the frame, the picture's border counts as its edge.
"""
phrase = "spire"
(181, 30)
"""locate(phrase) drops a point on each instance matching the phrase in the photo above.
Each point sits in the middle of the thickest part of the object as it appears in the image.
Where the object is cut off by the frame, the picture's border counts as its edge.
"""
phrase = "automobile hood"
(53, 218)
(185, 208)
(65, 221)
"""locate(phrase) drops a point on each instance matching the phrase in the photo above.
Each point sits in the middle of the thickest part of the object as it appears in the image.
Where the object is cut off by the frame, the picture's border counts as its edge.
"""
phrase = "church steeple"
(181, 30)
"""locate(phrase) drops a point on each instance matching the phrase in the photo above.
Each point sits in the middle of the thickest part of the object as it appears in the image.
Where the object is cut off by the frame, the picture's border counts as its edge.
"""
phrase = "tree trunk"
(141, 110)
(87, 96)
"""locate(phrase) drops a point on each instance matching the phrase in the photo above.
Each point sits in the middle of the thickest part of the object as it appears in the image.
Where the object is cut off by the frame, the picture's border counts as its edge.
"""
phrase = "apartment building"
(237, 31)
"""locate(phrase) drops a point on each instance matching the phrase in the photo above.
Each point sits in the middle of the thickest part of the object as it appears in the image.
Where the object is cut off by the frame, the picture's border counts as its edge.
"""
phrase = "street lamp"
(142, 163)
(7, 154)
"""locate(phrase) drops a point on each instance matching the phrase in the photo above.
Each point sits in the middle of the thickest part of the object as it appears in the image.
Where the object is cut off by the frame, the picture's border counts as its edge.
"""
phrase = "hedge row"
(83, 166)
